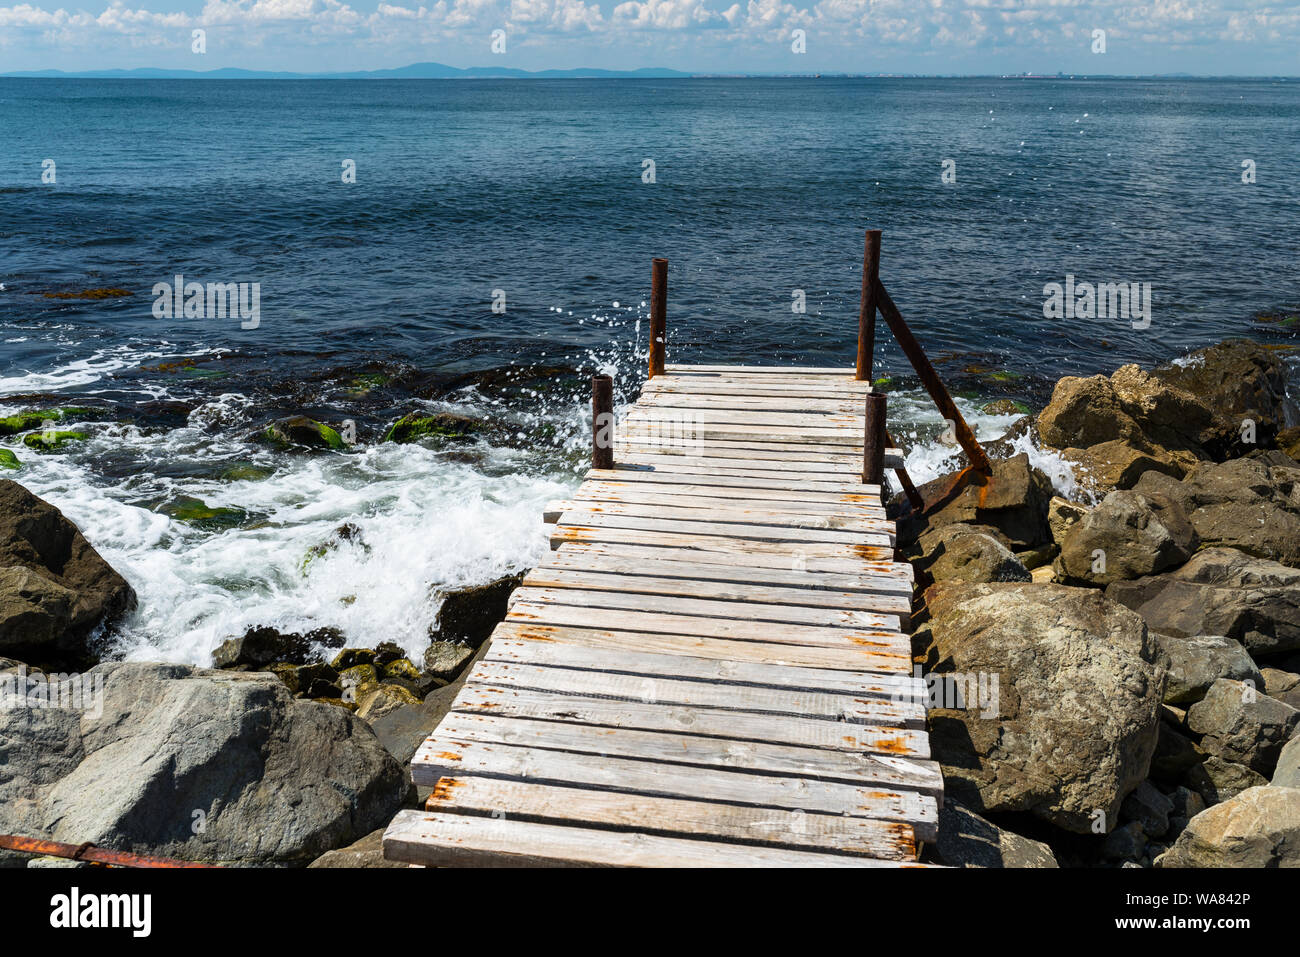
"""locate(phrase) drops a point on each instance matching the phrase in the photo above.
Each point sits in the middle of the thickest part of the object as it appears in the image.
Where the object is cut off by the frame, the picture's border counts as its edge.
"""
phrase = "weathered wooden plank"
(678, 618)
(794, 575)
(844, 372)
(737, 513)
(849, 767)
(888, 602)
(841, 572)
(589, 495)
(610, 602)
(687, 400)
(634, 489)
(803, 705)
(460, 840)
(646, 662)
(848, 424)
(893, 658)
(624, 473)
(602, 712)
(604, 534)
(770, 531)
(548, 804)
(439, 756)
(812, 444)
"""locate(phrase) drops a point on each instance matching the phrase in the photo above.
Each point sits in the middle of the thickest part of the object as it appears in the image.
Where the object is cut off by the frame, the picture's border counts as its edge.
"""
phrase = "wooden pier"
(712, 668)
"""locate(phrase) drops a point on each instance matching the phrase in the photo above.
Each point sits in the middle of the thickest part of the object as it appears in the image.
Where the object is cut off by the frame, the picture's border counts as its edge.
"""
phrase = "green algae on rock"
(36, 418)
(299, 430)
(51, 441)
(442, 425)
(196, 512)
(8, 460)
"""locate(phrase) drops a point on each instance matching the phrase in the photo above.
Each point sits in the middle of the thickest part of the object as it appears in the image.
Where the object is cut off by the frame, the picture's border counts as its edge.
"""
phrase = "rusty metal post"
(930, 379)
(602, 422)
(874, 439)
(905, 480)
(89, 853)
(658, 314)
(867, 310)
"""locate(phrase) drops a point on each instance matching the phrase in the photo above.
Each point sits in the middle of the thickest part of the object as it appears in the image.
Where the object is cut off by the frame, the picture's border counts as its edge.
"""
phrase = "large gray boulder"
(201, 765)
(1250, 504)
(1196, 663)
(55, 589)
(1073, 724)
(1240, 723)
(966, 553)
(1287, 773)
(968, 840)
(1260, 827)
(1127, 536)
(1221, 591)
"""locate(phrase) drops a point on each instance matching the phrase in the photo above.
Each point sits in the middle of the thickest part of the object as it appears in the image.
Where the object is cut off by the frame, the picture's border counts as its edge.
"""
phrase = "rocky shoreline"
(1116, 678)
(1116, 681)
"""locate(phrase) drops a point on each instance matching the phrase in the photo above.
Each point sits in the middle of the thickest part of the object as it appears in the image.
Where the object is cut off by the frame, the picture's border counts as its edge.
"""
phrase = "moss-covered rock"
(36, 418)
(350, 657)
(193, 511)
(8, 460)
(442, 425)
(245, 472)
(298, 430)
(1005, 407)
(401, 668)
(51, 441)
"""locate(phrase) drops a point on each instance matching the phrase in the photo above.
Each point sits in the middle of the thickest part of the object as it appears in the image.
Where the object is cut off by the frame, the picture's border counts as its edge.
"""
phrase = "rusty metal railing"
(88, 853)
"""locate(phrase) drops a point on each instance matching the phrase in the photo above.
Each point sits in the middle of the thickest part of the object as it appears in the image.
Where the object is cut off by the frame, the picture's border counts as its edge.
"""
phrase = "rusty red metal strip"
(89, 853)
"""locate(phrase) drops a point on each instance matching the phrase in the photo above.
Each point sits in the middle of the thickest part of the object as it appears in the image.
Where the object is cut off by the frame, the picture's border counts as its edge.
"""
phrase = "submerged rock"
(193, 511)
(299, 430)
(1073, 723)
(1221, 591)
(211, 766)
(55, 589)
(1258, 828)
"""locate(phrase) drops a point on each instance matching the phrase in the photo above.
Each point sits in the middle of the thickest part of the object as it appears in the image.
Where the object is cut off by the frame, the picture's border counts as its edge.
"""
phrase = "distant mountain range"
(416, 71)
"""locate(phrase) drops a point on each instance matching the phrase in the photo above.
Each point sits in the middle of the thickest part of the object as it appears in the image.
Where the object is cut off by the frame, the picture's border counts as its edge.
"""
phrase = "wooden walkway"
(711, 669)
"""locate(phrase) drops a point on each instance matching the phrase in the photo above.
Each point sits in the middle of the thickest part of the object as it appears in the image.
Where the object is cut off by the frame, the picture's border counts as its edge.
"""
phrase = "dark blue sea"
(377, 296)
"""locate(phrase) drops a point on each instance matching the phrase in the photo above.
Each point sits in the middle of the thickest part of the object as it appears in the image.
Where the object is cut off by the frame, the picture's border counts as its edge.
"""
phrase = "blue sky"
(918, 36)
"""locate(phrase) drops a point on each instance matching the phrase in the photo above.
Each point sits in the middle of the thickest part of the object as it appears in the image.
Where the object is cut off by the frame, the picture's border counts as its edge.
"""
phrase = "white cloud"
(871, 28)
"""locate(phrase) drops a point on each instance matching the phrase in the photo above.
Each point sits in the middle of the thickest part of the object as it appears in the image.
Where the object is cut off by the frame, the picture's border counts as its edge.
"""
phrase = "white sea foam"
(425, 524)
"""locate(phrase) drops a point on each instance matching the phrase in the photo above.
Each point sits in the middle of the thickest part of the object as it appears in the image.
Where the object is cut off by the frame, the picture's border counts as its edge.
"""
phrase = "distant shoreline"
(439, 71)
